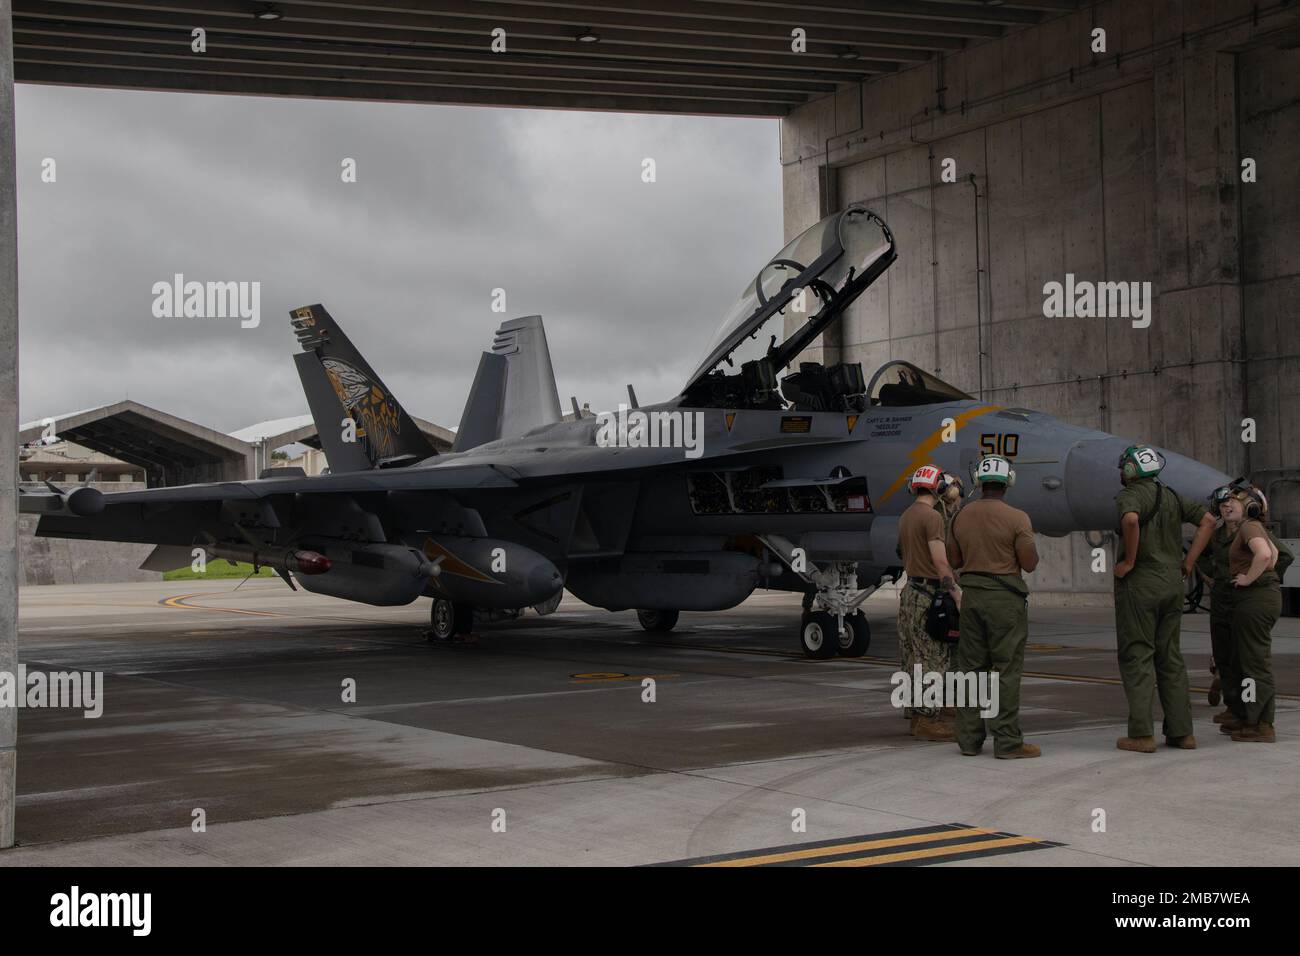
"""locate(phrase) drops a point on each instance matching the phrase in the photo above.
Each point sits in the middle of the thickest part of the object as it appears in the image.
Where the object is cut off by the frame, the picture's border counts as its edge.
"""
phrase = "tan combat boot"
(1024, 750)
(932, 728)
(1224, 716)
(1187, 742)
(1231, 725)
(1260, 733)
(1137, 745)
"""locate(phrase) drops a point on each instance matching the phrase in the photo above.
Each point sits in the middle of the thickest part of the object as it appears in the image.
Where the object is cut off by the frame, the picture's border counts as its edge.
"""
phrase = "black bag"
(942, 619)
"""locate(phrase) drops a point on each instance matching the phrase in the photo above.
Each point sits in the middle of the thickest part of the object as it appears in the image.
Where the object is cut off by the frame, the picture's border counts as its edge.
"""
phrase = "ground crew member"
(1149, 599)
(991, 543)
(950, 500)
(1255, 609)
(1213, 567)
(921, 546)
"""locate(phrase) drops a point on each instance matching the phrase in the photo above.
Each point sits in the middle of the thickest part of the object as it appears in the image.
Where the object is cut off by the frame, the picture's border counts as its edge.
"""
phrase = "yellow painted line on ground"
(178, 602)
(811, 854)
(931, 852)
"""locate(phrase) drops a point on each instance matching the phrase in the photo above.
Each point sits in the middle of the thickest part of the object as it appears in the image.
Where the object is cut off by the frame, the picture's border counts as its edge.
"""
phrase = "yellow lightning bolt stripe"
(921, 453)
(453, 564)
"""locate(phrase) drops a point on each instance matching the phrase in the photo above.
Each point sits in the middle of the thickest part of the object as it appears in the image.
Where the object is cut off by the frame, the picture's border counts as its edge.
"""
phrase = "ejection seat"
(816, 388)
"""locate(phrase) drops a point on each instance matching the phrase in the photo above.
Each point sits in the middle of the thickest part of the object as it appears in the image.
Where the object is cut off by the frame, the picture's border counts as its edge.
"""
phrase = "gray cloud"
(450, 203)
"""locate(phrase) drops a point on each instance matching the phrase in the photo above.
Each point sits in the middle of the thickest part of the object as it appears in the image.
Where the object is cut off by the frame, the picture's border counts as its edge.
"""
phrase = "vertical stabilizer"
(531, 398)
(340, 385)
(514, 387)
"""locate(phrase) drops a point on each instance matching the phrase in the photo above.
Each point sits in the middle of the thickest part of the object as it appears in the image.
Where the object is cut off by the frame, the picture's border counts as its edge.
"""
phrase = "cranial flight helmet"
(1140, 461)
(996, 469)
(927, 478)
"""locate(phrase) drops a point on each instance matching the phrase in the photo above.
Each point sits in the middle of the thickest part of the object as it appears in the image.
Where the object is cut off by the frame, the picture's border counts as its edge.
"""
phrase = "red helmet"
(926, 478)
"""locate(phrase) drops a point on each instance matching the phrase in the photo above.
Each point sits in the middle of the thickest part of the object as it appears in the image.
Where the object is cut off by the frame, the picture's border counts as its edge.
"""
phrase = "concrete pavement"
(230, 701)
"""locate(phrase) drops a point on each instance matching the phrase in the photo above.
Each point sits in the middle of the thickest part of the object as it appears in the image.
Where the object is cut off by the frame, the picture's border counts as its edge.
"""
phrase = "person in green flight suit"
(1149, 599)
(1213, 567)
(1252, 563)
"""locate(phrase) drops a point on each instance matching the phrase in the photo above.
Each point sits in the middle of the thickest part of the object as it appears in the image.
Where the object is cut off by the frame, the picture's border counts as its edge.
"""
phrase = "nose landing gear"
(832, 622)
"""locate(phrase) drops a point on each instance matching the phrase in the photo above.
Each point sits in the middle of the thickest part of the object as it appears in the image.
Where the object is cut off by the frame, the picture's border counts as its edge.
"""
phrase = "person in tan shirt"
(990, 545)
(1257, 604)
(921, 546)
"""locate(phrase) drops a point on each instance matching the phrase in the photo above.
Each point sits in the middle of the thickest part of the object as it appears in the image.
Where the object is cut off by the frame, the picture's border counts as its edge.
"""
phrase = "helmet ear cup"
(1253, 506)
(1011, 479)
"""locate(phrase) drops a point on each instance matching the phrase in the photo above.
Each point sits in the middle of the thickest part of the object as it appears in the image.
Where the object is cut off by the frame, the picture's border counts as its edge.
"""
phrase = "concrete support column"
(8, 421)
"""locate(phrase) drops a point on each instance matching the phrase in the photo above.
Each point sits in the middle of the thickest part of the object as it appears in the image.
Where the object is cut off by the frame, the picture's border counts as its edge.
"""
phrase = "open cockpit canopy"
(813, 279)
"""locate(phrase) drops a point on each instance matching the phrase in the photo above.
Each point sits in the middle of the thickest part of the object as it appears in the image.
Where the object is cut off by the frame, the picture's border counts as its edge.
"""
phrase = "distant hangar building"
(127, 446)
(170, 450)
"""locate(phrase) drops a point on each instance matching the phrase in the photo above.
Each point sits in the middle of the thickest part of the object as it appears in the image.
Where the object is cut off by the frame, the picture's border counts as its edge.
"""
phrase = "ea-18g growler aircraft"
(745, 480)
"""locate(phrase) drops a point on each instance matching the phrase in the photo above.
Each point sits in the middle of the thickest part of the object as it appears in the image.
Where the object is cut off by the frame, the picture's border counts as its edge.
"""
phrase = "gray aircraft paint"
(646, 527)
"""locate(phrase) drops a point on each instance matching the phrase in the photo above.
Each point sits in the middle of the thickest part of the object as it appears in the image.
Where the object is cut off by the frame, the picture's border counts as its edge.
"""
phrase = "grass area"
(217, 568)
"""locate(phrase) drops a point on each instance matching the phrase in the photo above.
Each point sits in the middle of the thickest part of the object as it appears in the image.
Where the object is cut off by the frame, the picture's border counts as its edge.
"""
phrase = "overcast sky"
(450, 203)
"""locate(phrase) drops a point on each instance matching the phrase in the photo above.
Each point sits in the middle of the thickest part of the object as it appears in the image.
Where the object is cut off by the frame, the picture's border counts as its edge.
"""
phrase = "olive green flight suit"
(1213, 564)
(994, 630)
(1255, 611)
(1149, 609)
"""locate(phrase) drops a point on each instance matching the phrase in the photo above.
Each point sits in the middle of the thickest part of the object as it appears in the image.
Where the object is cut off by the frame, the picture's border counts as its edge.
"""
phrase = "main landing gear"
(832, 622)
(448, 621)
(658, 622)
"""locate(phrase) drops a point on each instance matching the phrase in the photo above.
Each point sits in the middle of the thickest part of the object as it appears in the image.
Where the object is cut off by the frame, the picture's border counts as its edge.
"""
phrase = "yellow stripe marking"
(809, 854)
(178, 599)
(921, 453)
(932, 852)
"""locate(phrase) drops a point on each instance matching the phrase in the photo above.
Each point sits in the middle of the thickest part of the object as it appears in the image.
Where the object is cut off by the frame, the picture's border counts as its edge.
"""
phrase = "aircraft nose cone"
(1092, 480)
(543, 581)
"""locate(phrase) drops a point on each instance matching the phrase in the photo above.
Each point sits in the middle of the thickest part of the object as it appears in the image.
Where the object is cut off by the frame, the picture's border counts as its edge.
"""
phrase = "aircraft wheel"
(818, 635)
(550, 604)
(658, 621)
(446, 619)
(856, 637)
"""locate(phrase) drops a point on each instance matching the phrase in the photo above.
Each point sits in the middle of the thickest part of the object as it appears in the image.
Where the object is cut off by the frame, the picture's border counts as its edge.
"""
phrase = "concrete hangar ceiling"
(721, 57)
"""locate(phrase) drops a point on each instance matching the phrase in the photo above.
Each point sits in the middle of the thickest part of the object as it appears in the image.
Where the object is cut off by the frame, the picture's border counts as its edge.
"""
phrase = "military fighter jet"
(745, 480)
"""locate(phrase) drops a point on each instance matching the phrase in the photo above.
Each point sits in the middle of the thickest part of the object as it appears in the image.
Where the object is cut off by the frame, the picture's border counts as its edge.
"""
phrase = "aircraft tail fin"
(360, 424)
(514, 387)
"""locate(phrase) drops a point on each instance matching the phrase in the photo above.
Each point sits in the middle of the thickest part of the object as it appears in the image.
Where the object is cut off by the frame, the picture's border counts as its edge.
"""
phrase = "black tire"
(658, 622)
(857, 635)
(548, 606)
(819, 635)
(446, 620)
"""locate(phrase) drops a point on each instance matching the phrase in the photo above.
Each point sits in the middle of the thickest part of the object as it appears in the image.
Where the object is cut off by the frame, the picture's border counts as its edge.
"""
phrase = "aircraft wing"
(443, 478)
(160, 515)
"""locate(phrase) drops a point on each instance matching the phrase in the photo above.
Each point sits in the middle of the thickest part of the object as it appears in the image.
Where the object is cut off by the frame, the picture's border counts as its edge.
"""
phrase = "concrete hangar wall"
(1122, 165)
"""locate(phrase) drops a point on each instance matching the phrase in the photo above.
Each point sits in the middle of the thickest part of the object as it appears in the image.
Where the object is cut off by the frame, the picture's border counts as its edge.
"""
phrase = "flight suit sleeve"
(1191, 511)
(1128, 501)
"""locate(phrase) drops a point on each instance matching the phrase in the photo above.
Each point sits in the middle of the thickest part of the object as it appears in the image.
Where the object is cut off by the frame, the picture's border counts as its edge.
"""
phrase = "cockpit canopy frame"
(844, 254)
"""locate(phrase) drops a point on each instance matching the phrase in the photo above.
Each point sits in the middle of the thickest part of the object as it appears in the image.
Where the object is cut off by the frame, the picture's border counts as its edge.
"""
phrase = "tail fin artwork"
(361, 426)
(514, 387)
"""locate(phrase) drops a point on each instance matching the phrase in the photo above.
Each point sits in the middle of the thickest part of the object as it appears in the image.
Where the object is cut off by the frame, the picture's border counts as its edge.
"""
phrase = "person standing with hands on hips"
(1149, 589)
(1256, 606)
